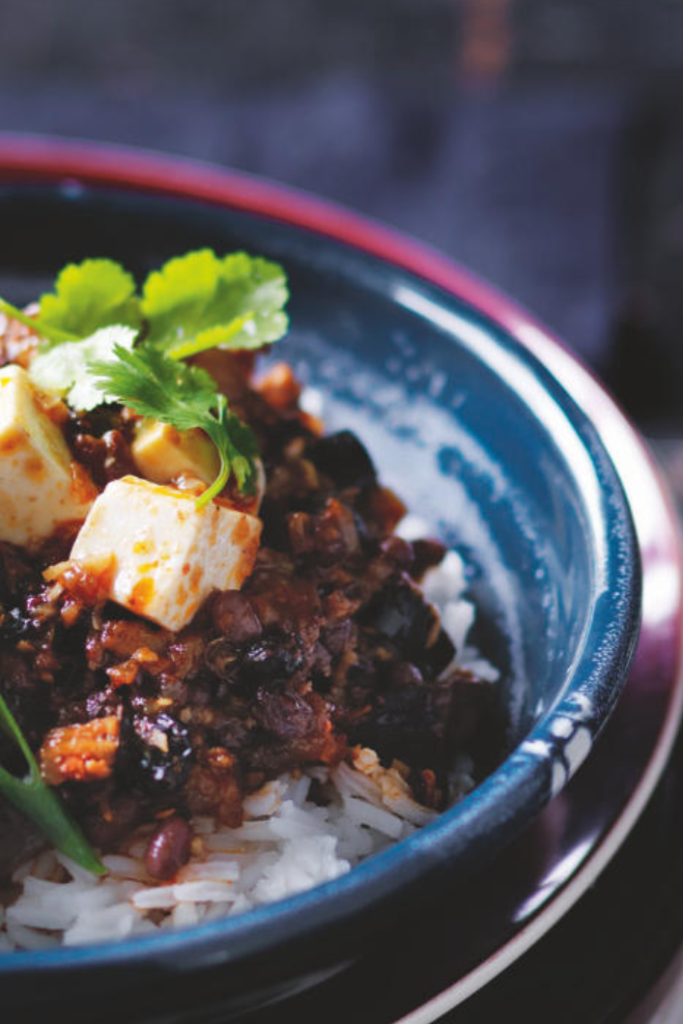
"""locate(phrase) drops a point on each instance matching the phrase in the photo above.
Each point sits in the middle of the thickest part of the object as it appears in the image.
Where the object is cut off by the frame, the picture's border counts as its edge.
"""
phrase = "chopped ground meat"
(329, 643)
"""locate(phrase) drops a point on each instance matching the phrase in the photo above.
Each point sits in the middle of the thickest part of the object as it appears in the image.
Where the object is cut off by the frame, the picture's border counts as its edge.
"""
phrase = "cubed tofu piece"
(168, 555)
(162, 453)
(40, 486)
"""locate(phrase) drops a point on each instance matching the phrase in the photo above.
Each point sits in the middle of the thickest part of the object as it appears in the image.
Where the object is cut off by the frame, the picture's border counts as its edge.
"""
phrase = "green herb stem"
(217, 435)
(51, 333)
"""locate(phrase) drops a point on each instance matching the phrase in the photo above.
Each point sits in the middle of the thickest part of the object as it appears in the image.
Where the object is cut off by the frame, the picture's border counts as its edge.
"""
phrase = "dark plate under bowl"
(477, 437)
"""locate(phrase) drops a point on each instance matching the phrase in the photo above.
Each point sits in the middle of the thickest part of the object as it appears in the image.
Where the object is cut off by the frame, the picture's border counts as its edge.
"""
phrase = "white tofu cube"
(162, 453)
(40, 486)
(166, 555)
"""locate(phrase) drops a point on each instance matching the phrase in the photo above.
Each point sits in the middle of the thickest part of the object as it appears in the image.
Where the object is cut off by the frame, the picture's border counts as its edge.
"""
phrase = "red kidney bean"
(168, 848)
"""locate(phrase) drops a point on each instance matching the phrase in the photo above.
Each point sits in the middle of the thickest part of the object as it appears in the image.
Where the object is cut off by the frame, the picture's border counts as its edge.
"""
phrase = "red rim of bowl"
(38, 159)
(46, 160)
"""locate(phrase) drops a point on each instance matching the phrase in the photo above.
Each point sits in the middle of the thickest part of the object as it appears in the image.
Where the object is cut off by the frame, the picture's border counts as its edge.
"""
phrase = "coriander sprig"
(193, 303)
(153, 384)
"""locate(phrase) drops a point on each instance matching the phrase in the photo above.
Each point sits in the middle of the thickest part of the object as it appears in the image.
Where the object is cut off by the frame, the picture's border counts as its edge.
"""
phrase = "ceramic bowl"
(478, 438)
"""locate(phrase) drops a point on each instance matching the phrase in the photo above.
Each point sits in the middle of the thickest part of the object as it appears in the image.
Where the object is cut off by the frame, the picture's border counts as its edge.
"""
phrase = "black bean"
(343, 458)
(156, 754)
(401, 613)
(268, 662)
(168, 848)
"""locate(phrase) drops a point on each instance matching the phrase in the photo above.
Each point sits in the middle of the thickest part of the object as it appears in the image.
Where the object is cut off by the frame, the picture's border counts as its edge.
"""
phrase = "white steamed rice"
(288, 842)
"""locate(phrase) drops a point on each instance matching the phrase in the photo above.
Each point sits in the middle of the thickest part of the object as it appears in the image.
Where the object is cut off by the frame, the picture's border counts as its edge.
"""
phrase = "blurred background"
(539, 142)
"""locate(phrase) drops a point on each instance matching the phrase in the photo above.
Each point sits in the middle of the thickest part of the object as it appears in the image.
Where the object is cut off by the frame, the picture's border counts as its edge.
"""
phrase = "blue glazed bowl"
(478, 438)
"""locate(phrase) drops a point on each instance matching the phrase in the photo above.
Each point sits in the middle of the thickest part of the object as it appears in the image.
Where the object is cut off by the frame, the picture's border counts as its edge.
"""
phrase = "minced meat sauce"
(328, 644)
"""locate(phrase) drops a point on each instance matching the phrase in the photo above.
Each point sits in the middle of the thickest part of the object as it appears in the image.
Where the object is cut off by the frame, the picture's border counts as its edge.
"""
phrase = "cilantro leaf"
(155, 385)
(175, 297)
(89, 295)
(192, 303)
(199, 300)
(65, 368)
(40, 803)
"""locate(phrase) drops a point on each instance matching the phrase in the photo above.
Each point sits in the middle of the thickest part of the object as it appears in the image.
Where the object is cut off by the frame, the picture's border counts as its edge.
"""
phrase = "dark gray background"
(537, 141)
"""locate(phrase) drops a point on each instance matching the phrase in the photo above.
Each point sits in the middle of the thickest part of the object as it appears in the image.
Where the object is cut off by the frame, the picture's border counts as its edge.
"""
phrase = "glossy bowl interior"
(479, 440)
